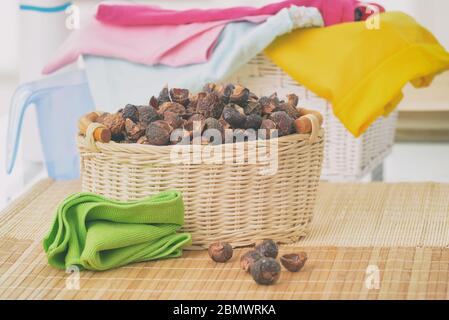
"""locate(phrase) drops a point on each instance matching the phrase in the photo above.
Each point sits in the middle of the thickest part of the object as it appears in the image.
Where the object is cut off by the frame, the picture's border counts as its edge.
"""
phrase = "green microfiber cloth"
(96, 233)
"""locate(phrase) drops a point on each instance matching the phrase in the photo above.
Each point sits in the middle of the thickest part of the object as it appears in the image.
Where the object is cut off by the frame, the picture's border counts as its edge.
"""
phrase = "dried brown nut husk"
(214, 124)
(253, 121)
(284, 123)
(115, 123)
(294, 262)
(252, 97)
(274, 97)
(193, 102)
(195, 122)
(225, 124)
(180, 96)
(266, 271)
(210, 105)
(224, 92)
(147, 114)
(249, 259)
(268, 105)
(172, 107)
(239, 95)
(234, 115)
(191, 109)
(240, 135)
(268, 248)
(164, 96)
(131, 112)
(253, 107)
(180, 136)
(153, 102)
(227, 92)
(220, 251)
(209, 87)
(268, 126)
(133, 130)
(101, 117)
(173, 119)
(142, 140)
(164, 124)
(291, 111)
(292, 99)
(158, 133)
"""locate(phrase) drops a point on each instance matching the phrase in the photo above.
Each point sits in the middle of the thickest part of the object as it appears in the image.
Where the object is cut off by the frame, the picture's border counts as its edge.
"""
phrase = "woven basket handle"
(315, 127)
(90, 140)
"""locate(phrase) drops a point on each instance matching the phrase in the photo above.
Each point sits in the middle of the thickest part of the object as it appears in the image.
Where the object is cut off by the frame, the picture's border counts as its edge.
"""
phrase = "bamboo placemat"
(381, 214)
(339, 267)
(330, 273)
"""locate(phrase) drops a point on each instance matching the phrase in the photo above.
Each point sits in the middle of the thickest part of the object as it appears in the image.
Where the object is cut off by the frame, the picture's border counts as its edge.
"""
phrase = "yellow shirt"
(361, 71)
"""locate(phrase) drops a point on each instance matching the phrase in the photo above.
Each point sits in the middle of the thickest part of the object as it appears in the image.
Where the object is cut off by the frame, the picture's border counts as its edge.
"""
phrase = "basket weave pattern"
(346, 158)
(229, 201)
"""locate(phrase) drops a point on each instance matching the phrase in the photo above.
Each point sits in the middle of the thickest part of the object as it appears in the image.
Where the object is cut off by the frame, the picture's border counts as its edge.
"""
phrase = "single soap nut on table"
(248, 259)
(294, 262)
(220, 251)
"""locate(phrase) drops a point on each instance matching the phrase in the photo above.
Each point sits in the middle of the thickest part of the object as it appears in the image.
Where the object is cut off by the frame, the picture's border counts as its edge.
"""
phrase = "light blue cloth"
(115, 82)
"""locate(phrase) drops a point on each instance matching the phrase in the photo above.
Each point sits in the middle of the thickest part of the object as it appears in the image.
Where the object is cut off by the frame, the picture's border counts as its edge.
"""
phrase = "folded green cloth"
(96, 233)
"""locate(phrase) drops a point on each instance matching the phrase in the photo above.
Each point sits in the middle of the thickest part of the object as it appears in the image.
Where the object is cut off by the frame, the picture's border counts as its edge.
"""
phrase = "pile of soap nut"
(232, 110)
(261, 262)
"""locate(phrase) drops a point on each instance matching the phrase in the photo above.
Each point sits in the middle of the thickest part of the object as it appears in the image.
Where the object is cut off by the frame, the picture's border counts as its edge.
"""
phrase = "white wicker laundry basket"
(345, 157)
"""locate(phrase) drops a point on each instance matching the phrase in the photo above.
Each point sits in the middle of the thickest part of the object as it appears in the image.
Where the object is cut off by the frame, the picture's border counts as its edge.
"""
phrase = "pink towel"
(333, 12)
(172, 45)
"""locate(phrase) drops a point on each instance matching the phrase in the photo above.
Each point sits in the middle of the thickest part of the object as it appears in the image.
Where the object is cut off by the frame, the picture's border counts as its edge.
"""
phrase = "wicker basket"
(345, 157)
(231, 201)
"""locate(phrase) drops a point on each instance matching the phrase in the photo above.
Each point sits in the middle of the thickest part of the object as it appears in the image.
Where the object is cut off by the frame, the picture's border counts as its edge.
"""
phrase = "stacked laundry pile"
(131, 50)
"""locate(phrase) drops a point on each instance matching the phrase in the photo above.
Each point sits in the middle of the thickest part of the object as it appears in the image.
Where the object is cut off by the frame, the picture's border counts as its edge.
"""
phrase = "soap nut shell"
(220, 251)
(294, 262)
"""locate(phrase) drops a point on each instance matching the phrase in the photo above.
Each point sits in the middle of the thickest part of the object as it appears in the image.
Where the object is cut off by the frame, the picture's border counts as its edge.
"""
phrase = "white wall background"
(9, 35)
